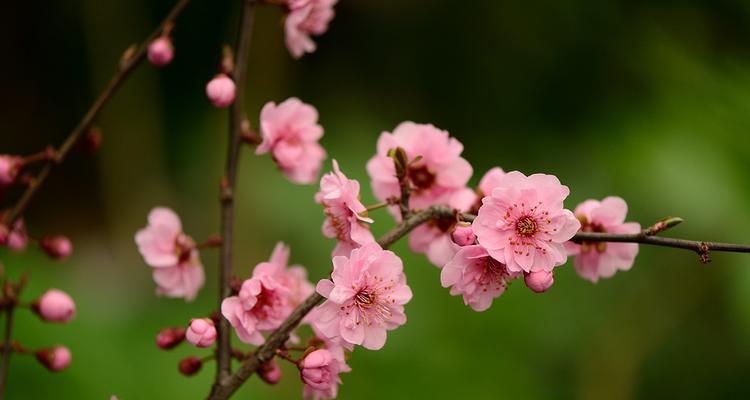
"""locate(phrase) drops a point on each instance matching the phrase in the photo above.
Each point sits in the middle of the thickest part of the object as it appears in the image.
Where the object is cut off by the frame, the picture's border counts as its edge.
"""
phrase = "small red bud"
(169, 338)
(270, 372)
(91, 141)
(189, 366)
(57, 247)
(54, 358)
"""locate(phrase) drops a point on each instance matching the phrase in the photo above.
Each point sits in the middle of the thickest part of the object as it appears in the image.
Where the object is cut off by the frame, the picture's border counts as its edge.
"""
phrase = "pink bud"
(221, 91)
(270, 372)
(201, 332)
(169, 338)
(16, 239)
(161, 51)
(9, 167)
(54, 358)
(55, 306)
(319, 369)
(57, 247)
(463, 235)
(190, 365)
(539, 281)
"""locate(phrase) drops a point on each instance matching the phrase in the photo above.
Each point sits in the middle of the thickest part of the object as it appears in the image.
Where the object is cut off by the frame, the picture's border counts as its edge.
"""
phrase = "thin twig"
(6, 349)
(126, 67)
(236, 119)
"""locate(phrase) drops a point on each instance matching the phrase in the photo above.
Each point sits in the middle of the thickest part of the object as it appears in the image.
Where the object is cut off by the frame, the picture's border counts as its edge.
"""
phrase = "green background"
(649, 100)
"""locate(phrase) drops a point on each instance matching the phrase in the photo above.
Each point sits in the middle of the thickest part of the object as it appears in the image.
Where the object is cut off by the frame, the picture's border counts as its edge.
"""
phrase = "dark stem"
(126, 67)
(695, 245)
(236, 118)
(7, 347)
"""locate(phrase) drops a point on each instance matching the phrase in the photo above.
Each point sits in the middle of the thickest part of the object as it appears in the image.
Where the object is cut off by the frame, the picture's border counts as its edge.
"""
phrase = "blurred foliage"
(649, 100)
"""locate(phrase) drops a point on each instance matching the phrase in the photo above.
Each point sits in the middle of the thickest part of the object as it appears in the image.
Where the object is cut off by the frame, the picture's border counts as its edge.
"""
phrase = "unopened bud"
(463, 235)
(190, 365)
(201, 332)
(57, 247)
(221, 91)
(270, 372)
(161, 51)
(539, 281)
(90, 141)
(54, 358)
(169, 338)
(55, 306)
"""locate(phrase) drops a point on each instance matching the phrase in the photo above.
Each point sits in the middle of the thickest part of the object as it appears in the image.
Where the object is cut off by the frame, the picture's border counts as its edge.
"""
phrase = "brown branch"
(10, 297)
(127, 66)
(236, 119)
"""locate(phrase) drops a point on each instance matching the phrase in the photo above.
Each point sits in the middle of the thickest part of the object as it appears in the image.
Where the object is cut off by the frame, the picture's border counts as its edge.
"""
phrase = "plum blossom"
(306, 18)
(160, 51)
(55, 306)
(320, 371)
(602, 260)
(344, 211)
(221, 91)
(523, 223)
(266, 300)
(365, 297)
(291, 133)
(201, 332)
(476, 276)
(488, 182)
(9, 168)
(178, 271)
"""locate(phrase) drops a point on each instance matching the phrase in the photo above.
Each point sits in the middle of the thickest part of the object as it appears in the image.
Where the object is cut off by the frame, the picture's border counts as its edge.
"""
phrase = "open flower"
(177, 266)
(339, 196)
(266, 299)
(291, 133)
(306, 18)
(523, 223)
(602, 260)
(476, 276)
(365, 297)
(435, 178)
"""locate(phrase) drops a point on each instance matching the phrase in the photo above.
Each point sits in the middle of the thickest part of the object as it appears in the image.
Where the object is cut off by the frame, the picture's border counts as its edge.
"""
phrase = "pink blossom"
(490, 181)
(161, 51)
(9, 168)
(291, 133)
(476, 276)
(319, 371)
(306, 18)
(365, 297)
(54, 358)
(57, 247)
(266, 300)
(602, 260)
(15, 239)
(177, 266)
(221, 91)
(55, 306)
(523, 223)
(436, 177)
(201, 332)
(183, 280)
(339, 196)
(539, 281)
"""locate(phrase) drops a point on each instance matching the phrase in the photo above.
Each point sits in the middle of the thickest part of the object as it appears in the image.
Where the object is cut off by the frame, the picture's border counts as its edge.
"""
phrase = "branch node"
(703, 253)
(662, 225)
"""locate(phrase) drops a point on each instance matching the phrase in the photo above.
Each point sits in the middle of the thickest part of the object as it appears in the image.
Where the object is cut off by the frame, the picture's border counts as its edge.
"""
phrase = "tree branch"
(7, 349)
(127, 66)
(236, 119)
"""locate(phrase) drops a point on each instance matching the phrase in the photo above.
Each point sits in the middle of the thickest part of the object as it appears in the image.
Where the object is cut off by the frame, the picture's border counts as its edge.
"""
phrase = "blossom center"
(364, 298)
(421, 177)
(526, 226)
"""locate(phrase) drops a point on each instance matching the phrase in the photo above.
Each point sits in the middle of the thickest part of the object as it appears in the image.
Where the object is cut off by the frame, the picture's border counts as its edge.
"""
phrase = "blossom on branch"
(178, 271)
(291, 132)
(523, 224)
(365, 297)
(344, 211)
(306, 18)
(602, 259)
(320, 371)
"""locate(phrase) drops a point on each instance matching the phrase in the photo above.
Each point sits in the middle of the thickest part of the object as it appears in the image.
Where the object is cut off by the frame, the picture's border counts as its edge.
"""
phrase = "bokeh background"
(649, 100)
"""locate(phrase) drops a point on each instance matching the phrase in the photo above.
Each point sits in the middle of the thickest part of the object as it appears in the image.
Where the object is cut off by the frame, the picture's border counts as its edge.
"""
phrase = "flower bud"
(57, 247)
(16, 239)
(221, 91)
(90, 142)
(270, 372)
(463, 235)
(319, 369)
(169, 338)
(9, 168)
(539, 281)
(54, 358)
(201, 332)
(55, 306)
(161, 51)
(190, 365)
